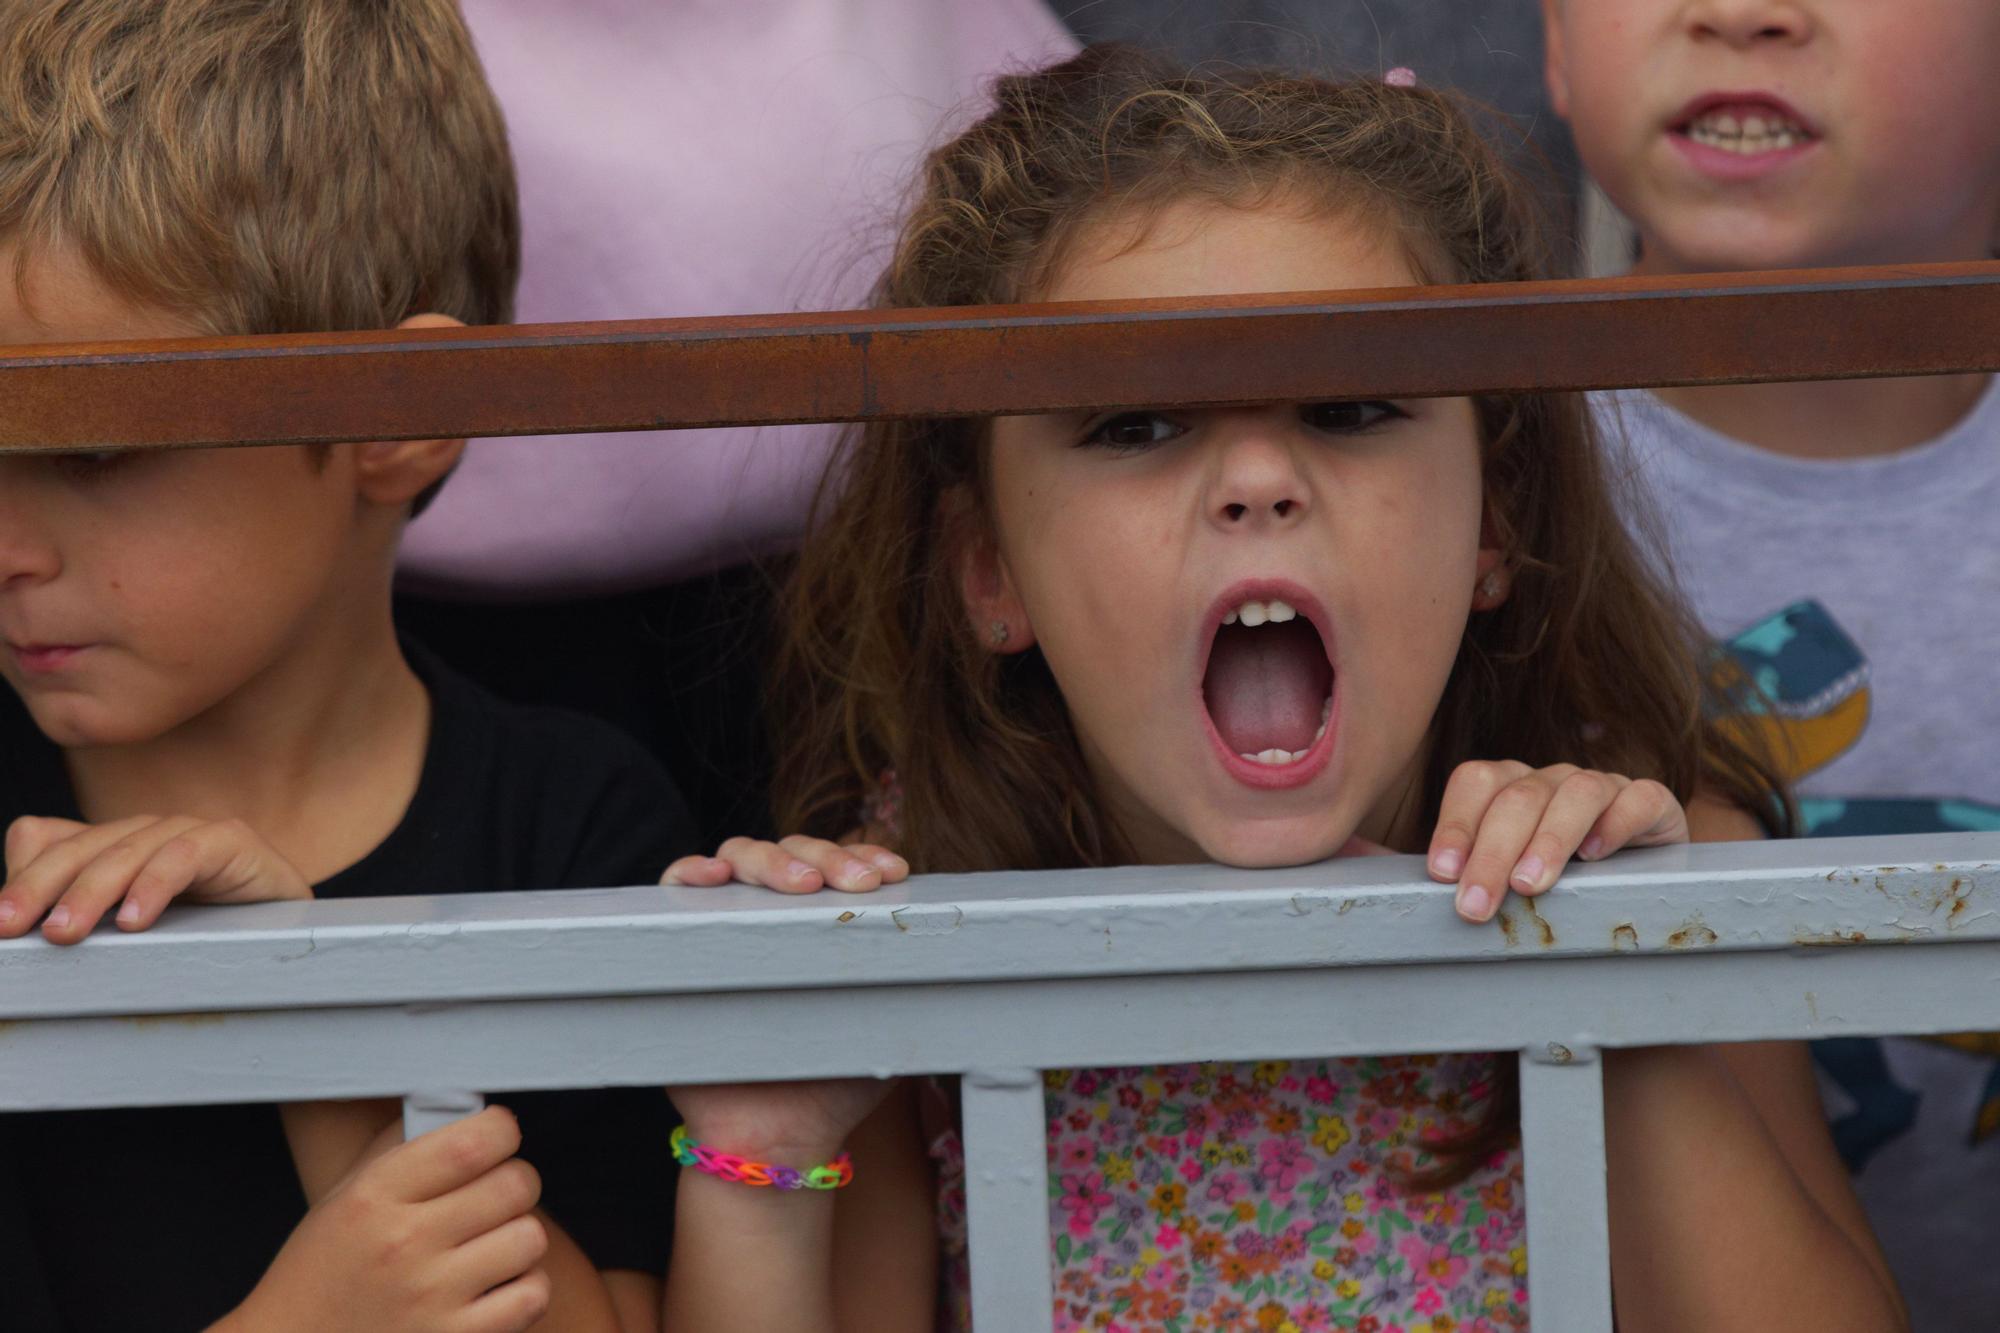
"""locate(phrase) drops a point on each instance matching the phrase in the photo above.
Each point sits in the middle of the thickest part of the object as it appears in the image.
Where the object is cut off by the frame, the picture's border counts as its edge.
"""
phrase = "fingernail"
(1529, 871)
(129, 912)
(889, 862)
(8, 912)
(1448, 862)
(800, 870)
(1593, 847)
(59, 918)
(1475, 902)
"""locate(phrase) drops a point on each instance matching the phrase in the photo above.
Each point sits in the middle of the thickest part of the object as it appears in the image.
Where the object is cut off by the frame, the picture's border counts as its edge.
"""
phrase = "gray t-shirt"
(1863, 597)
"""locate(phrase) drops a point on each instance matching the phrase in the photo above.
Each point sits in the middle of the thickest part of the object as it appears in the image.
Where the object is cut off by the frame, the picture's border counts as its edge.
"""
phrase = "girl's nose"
(1256, 482)
(1745, 23)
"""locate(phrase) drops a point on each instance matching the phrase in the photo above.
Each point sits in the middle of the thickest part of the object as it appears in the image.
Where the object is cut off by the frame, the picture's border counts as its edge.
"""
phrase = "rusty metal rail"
(867, 365)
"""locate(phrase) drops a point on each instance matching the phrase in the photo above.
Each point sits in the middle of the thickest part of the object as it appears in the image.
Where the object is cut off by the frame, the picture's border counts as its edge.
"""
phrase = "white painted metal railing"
(984, 975)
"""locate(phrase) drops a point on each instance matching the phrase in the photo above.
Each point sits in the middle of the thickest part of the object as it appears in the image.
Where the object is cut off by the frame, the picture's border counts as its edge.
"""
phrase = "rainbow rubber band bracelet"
(743, 1171)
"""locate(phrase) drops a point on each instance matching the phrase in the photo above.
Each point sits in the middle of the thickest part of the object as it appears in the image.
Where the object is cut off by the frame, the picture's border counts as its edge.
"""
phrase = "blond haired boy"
(199, 643)
(1840, 537)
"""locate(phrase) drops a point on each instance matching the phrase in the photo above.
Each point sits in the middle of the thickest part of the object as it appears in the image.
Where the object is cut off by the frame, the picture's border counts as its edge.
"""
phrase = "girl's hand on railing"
(74, 873)
(1503, 825)
(437, 1233)
(793, 865)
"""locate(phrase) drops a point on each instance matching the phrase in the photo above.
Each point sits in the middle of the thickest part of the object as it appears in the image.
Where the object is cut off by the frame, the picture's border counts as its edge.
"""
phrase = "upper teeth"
(1752, 134)
(1256, 613)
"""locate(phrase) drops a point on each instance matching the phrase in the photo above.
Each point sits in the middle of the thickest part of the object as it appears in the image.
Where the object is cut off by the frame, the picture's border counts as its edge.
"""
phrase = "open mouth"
(1268, 688)
(1744, 125)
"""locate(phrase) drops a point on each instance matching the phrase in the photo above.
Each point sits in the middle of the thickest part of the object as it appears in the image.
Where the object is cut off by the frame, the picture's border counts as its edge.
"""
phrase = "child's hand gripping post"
(433, 1235)
(1503, 825)
(72, 873)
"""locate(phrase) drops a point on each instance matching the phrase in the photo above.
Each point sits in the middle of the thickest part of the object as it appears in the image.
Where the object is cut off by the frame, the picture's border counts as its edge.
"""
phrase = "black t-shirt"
(164, 1219)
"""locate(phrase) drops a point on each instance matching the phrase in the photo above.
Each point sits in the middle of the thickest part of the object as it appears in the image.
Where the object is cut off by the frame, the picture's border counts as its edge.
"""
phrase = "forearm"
(859, 1259)
(1711, 1227)
(749, 1260)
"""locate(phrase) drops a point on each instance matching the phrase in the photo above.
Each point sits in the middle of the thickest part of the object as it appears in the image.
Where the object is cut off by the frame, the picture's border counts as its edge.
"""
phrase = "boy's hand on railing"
(1503, 825)
(74, 873)
(793, 865)
(436, 1235)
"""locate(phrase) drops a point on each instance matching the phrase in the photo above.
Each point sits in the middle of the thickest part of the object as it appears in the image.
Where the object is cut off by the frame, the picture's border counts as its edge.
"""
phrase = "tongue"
(1265, 686)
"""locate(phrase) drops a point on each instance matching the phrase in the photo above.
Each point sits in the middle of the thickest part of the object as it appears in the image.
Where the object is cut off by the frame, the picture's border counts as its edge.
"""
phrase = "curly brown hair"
(1590, 660)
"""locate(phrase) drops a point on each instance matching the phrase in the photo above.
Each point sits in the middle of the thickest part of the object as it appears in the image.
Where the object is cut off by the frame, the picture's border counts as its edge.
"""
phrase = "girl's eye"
(89, 467)
(1133, 431)
(1349, 418)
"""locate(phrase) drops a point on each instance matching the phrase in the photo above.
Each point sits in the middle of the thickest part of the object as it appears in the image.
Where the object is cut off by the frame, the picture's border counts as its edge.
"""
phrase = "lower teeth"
(1274, 757)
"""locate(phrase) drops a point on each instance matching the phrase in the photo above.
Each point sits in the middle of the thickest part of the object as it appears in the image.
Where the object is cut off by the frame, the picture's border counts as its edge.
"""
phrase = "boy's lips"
(41, 659)
(1274, 767)
(1741, 136)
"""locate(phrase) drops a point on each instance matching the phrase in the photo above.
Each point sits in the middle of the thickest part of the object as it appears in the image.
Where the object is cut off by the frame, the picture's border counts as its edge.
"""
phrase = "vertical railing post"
(1562, 1142)
(1007, 1201)
(437, 1107)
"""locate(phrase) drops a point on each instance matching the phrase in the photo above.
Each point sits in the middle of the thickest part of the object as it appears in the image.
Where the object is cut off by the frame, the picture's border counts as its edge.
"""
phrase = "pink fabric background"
(692, 157)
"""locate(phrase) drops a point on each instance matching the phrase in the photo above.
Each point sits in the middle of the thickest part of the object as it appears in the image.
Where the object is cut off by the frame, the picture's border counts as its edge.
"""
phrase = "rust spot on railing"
(1693, 934)
(1542, 927)
(1829, 938)
(1624, 936)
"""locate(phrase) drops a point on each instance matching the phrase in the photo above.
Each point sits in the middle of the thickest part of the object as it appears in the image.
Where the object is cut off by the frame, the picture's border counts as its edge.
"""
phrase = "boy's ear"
(985, 584)
(396, 472)
(1555, 57)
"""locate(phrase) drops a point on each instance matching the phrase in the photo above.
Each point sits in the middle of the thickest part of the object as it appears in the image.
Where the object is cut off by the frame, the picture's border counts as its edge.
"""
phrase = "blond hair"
(261, 166)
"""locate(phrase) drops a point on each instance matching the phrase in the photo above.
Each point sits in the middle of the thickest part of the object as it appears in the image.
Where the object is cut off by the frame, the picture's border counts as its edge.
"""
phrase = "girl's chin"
(1272, 848)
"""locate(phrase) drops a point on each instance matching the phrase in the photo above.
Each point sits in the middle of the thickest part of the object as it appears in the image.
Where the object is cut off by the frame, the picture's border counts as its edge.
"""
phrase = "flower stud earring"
(998, 633)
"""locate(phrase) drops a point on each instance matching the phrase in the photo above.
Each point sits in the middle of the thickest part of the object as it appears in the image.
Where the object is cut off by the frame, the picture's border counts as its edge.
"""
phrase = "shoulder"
(1711, 819)
(575, 801)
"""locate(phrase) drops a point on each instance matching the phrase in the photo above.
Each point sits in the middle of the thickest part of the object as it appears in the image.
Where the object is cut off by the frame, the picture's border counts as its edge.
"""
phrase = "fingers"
(215, 862)
(1467, 797)
(1505, 826)
(705, 872)
(498, 1254)
(834, 865)
(512, 1307)
(450, 1158)
(72, 874)
(894, 869)
(39, 885)
(1574, 805)
(509, 1190)
(796, 864)
(30, 835)
(1498, 850)
(1645, 814)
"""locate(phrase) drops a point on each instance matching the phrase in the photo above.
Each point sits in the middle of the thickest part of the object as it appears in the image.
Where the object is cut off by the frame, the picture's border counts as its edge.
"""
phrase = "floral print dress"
(1274, 1197)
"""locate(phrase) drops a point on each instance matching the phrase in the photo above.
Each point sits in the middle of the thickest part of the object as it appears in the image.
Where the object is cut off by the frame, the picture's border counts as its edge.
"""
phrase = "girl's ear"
(986, 585)
(395, 472)
(1492, 578)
